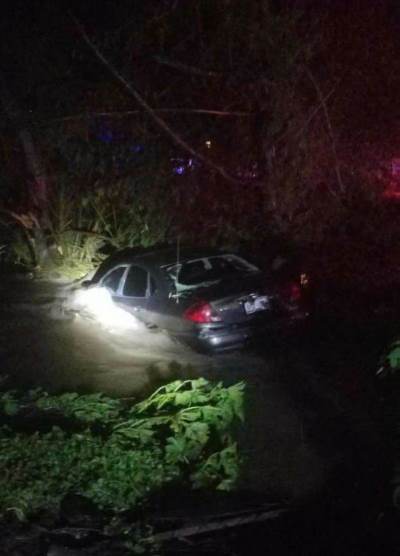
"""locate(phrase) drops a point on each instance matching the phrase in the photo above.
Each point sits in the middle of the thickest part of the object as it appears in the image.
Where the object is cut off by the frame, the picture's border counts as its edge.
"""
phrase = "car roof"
(155, 257)
(170, 256)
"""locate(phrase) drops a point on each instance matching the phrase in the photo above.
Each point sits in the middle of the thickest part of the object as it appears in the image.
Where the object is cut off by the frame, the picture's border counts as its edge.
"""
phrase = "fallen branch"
(82, 534)
(218, 524)
(88, 535)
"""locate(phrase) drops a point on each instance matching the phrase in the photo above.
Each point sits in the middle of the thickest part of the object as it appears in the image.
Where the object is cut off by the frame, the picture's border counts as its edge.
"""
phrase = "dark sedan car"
(208, 298)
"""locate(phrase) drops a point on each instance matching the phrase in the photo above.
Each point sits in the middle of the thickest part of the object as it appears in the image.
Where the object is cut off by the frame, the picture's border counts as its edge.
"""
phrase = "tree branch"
(234, 520)
(147, 108)
(314, 112)
(324, 105)
(186, 68)
(199, 111)
(309, 119)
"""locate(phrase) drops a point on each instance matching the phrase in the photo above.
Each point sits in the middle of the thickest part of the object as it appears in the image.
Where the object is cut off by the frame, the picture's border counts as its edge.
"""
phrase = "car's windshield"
(205, 271)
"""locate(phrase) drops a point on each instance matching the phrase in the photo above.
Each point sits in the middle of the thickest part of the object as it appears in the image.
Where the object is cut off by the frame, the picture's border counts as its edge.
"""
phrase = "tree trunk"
(39, 184)
(35, 166)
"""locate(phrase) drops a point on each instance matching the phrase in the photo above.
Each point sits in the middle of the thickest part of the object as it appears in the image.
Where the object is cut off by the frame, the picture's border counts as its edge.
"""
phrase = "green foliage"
(73, 237)
(21, 250)
(131, 213)
(80, 224)
(223, 463)
(182, 432)
(392, 357)
(10, 403)
(89, 408)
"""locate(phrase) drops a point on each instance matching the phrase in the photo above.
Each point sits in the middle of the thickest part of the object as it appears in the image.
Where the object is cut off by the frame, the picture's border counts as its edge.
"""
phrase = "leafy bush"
(393, 356)
(82, 220)
(123, 452)
(389, 364)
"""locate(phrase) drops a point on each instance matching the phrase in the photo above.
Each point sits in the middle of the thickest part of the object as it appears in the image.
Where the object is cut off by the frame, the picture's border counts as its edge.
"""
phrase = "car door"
(134, 291)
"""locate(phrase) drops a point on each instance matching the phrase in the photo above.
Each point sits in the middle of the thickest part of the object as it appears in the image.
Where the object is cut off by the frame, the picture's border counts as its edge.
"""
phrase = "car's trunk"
(242, 299)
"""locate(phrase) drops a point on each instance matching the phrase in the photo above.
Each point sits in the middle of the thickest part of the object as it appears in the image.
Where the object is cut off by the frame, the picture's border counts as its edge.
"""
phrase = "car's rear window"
(205, 270)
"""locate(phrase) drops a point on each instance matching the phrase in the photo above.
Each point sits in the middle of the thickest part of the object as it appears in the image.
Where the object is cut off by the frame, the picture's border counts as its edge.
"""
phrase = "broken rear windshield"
(200, 272)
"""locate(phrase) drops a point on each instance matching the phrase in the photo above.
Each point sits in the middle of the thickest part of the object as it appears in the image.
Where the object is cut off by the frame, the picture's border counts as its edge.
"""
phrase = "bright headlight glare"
(99, 304)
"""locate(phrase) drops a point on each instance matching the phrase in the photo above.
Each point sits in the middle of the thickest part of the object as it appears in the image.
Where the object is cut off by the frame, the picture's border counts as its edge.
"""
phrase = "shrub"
(118, 452)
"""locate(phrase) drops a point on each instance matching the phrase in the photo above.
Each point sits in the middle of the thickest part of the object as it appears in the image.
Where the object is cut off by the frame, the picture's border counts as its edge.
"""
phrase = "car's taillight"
(292, 292)
(201, 312)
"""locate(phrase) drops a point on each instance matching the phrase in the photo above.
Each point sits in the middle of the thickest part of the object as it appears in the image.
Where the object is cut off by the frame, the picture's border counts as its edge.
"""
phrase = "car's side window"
(136, 282)
(113, 279)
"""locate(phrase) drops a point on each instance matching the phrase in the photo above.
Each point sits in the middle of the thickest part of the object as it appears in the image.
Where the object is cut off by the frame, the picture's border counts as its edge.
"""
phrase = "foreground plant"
(118, 453)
